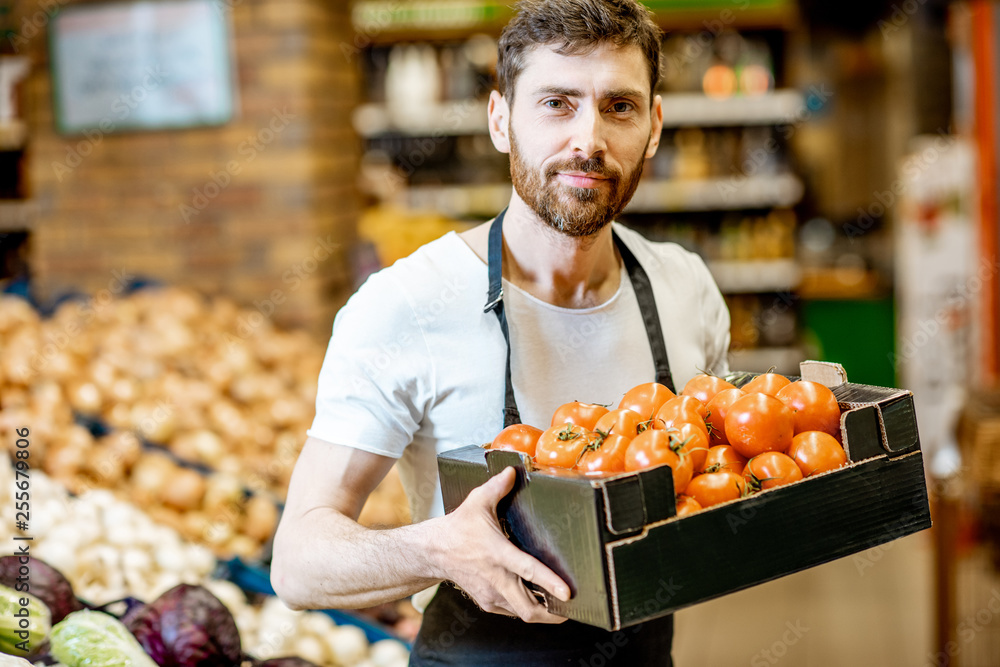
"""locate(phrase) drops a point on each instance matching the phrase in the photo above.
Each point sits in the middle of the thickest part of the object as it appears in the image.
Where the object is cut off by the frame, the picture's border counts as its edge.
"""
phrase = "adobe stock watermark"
(815, 99)
(695, 45)
(968, 629)
(33, 24)
(901, 13)
(777, 650)
(911, 168)
(956, 304)
(249, 149)
(121, 108)
(368, 29)
(294, 277)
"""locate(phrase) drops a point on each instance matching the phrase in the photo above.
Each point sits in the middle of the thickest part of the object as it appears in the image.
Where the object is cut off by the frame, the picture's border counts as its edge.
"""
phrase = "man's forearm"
(324, 560)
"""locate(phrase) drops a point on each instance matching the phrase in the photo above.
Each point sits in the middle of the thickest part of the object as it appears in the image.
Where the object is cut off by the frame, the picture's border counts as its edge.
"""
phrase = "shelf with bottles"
(784, 360)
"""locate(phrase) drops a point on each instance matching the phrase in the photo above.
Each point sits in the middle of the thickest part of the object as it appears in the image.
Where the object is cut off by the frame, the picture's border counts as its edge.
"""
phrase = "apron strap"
(640, 284)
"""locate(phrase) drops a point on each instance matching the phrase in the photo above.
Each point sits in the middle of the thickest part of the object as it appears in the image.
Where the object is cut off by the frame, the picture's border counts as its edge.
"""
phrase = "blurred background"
(190, 189)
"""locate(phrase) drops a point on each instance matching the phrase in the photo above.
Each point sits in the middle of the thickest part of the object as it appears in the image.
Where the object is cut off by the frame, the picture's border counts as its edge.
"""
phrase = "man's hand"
(475, 554)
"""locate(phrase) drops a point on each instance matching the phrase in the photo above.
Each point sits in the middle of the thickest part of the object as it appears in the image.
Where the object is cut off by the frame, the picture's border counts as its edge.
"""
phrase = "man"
(416, 365)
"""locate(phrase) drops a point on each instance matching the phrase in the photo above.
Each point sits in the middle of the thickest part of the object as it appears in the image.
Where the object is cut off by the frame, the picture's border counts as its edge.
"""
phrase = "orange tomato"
(816, 451)
(724, 457)
(814, 407)
(766, 383)
(716, 410)
(561, 445)
(705, 386)
(646, 399)
(692, 440)
(581, 414)
(518, 438)
(759, 423)
(604, 454)
(712, 488)
(652, 448)
(681, 409)
(623, 422)
(686, 505)
(769, 470)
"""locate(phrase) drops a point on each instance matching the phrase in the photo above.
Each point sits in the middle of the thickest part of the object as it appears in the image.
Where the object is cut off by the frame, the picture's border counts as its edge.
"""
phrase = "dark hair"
(575, 26)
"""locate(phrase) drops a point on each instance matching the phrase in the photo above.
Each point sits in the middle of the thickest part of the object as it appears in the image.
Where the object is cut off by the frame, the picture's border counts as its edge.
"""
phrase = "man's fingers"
(533, 570)
(497, 487)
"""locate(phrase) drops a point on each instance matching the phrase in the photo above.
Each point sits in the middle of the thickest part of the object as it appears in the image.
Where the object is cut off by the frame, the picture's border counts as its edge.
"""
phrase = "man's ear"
(656, 126)
(499, 121)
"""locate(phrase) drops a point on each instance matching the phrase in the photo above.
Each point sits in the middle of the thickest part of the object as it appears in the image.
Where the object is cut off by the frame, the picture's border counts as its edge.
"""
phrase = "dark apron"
(455, 631)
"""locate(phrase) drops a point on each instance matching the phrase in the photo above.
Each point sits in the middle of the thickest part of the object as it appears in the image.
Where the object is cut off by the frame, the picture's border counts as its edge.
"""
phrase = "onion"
(184, 490)
(261, 518)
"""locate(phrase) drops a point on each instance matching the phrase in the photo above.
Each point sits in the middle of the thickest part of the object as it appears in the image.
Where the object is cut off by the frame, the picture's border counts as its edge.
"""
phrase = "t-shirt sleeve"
(715, 317)
(375, 381)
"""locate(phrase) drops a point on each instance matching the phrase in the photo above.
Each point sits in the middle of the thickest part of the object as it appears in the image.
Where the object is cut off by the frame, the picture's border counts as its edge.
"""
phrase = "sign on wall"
(141, 65)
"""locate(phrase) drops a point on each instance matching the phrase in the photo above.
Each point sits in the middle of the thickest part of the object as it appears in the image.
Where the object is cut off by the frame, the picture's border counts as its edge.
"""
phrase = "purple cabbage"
(187, 627)
(44, 582)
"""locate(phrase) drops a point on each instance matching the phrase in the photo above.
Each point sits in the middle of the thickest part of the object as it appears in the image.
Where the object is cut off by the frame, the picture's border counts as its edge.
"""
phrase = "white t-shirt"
(415, 367)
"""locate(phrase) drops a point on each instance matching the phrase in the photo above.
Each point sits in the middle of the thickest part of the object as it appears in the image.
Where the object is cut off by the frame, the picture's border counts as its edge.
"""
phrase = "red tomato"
(712, 488)
(759, 423)
(692, 440)
(704, 387)
(816, 451)
(581, 414)
(646, 399)
(766, 383)
(724, 457)
(717, 409)
(518, 438)
(681, 409)
(686, 505)
(814, 406)
(604, 453)
(561, 445)
(623, 422)
(652, 448)
(771, 469)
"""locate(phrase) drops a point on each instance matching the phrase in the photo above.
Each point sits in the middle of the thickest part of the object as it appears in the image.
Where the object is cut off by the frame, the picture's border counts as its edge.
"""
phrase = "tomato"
(622, 422)
(705, 386)
(653, 448)
(759, 423)
(717, 409)
(691, 439)
(604, 453)
(766, 383)
(518, 438)
(712, 488)
(686, 505)
(816, 451)
(561, 445)
(724, 457)
(581, 414)
(814, 405)
(646, 399)
(771, 469)
(681, 409)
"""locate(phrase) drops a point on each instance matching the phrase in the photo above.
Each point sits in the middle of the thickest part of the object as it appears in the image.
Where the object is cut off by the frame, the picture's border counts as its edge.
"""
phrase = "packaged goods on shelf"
(617, 541)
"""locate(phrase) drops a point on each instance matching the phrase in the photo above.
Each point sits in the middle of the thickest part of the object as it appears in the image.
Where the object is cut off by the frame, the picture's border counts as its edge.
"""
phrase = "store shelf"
(695, 109)
(784, 360)
(16, 216)
(458, 201)
(13, 134)
(754, 276)
(717, 194)
(445, 119)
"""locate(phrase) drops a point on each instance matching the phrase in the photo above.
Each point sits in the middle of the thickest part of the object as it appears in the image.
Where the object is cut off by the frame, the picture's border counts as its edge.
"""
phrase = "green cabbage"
(93, 639)
(22, 628)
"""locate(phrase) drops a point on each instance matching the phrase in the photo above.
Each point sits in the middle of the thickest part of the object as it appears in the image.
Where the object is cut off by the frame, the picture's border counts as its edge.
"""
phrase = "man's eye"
(554, 104)
(621, 107)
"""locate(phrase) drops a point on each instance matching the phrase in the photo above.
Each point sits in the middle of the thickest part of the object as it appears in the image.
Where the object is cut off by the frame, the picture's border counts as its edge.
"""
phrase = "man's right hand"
(474, 553)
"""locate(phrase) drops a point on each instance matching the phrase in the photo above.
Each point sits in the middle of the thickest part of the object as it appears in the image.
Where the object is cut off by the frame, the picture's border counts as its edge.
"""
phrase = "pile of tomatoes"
(721, 442)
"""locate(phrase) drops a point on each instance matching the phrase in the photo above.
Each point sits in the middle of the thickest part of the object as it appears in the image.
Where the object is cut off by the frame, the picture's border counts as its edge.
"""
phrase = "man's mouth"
(580, 179)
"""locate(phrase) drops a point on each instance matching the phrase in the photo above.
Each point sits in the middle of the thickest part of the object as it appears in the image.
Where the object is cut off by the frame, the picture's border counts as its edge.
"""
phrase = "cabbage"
(22, 627)
(188, 627)
(95, 639)
(11, 661)
(44, 582)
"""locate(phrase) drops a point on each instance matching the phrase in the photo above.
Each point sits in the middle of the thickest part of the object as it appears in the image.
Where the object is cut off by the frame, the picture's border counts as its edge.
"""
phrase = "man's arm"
(324, 559)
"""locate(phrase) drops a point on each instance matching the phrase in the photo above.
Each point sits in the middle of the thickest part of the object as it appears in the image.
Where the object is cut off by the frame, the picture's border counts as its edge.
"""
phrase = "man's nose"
(589, 132)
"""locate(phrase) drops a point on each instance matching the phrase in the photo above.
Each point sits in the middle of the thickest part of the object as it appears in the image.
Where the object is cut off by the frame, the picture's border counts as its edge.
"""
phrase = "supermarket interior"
(190, 191)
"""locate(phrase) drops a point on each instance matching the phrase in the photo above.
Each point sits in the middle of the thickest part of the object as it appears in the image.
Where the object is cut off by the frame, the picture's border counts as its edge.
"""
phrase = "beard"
(567, 209)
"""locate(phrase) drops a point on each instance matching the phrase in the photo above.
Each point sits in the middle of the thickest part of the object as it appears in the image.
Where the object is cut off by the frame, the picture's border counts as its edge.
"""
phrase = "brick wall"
(158, 204)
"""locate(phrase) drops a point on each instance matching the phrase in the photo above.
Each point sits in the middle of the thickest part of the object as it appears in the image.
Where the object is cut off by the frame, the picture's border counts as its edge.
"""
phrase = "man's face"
(580, 128)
